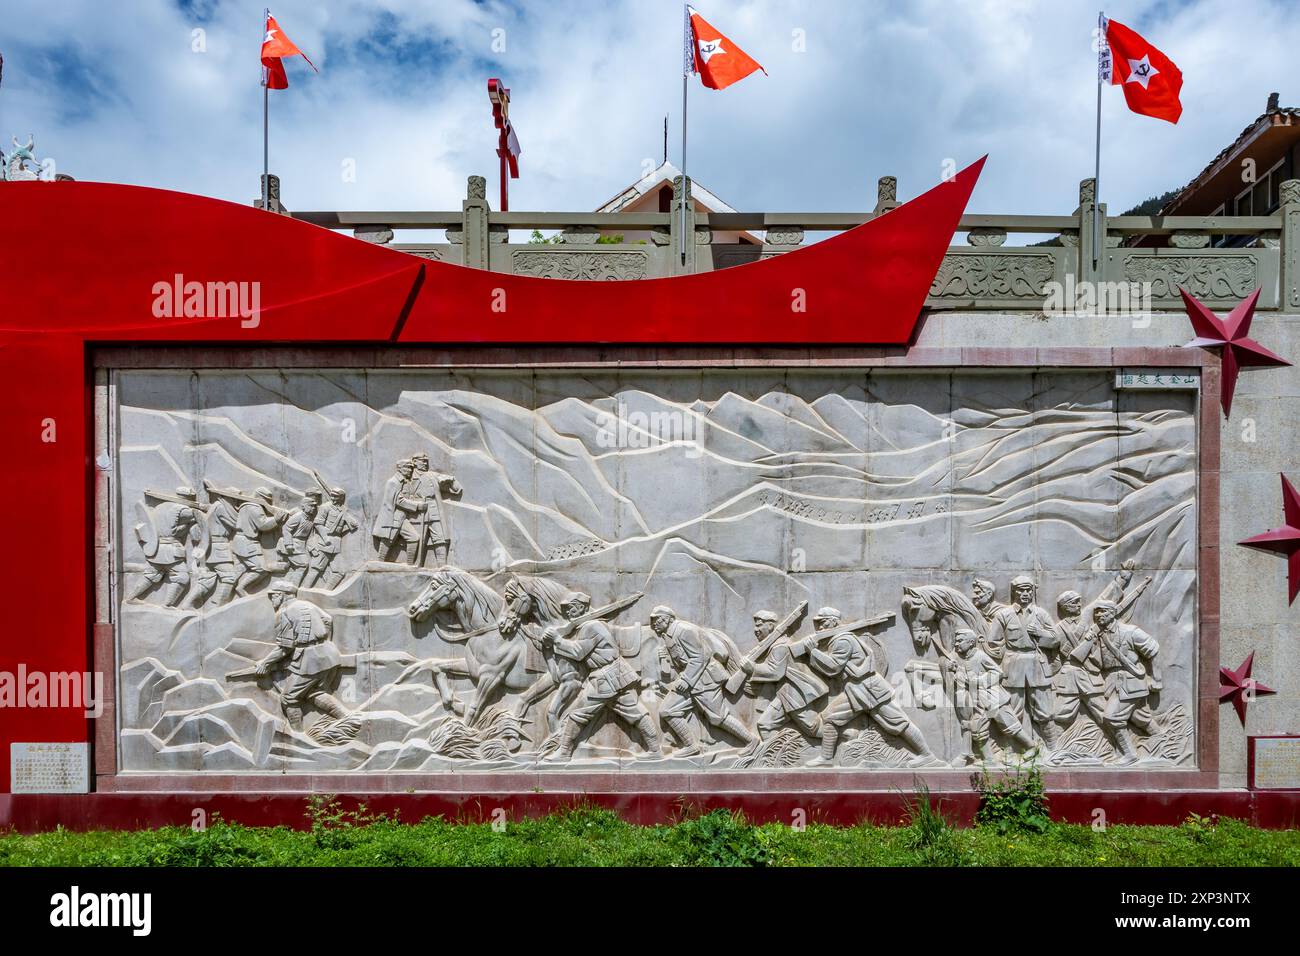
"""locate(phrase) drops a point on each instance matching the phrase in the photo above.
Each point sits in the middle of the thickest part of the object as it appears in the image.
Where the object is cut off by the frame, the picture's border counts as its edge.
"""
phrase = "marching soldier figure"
(1078, 685)
(303, 637)
(1125, 656)
(979, 697)
(1021, 635)
(610, 682)
(799, 688)
(256, 516)
(865, 691)
(218, 579)
(295, 533)
(686, 649)
(174, 522)
(333, 522)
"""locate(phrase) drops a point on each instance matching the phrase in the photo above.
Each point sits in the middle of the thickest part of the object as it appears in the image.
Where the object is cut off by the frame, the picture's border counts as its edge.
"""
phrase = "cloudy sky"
(166, 93)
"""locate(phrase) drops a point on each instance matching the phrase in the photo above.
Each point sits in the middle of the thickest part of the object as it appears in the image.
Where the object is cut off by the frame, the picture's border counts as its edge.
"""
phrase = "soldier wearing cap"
(430, 486)
(798, 688)
(173, 524)
(1078, 685)
(254, 519)
(393, 532)
(847, 657)
(979, 697)
(333, 522)
(303, 637)
(218, 579)
(1125, 657)
(1024, 637)
(688, 651)
(297, 529)
(611, 683)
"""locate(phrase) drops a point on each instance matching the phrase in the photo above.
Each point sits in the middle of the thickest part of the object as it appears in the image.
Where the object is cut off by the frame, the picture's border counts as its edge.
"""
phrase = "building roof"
(665, 173)
(1275, 130)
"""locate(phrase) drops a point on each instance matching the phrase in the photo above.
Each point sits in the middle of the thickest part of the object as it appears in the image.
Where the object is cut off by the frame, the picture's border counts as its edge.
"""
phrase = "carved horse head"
(925, 608)
(451, 589)
(531, 599)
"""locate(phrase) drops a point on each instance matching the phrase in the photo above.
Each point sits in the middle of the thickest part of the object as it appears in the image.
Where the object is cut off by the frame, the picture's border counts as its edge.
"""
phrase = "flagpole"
(266, 124)
(1096, 174)
(686, 74)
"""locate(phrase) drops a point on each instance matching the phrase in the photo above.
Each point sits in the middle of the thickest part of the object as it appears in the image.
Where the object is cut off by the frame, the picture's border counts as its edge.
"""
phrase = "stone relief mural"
(423, 570)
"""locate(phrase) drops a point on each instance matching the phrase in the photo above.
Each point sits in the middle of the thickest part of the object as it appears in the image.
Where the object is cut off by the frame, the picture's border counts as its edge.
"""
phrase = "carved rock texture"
(719, 493)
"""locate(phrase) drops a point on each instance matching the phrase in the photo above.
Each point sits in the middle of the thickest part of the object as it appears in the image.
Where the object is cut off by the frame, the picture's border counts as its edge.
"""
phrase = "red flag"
(1150, 79)
(274, 46)
(718, 61)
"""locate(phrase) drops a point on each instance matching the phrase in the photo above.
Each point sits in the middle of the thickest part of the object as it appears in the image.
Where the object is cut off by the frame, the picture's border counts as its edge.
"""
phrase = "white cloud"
(114, 92)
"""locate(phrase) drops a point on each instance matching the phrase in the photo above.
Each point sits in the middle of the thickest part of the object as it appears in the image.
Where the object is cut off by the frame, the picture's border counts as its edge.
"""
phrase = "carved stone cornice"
(599, 266)
(1206, 277)
(993, 276)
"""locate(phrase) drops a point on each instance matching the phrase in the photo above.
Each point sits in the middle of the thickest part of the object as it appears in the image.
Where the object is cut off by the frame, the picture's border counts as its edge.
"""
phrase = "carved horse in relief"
(932, 613)
(534, 605)
(496, 654)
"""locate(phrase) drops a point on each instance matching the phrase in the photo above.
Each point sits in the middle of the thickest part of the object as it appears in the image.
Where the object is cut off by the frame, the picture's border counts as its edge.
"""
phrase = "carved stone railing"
(1147, 257)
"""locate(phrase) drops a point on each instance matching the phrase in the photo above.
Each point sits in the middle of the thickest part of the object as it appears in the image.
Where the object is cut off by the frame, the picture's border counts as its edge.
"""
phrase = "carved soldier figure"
(173, 522)
(1078, 684)
(691, 653)
(295, 533)
(610, 682)
(1022, 635)
(979, 697)
(434, 529)
(392, 530)
(1125, 656)
(333, 522)
(981, 594)
(798, 687)
(303, 636)
(218, 579)
(563, 674)
(256, 516)
(865, 691)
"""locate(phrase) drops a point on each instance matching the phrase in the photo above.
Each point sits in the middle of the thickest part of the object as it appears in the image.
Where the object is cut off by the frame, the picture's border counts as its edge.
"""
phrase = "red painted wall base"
(31, 813)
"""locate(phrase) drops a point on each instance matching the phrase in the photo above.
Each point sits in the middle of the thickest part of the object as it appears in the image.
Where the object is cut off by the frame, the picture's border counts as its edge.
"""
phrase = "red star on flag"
(1151, 81)
(1230, 335)
(1284, 540)
(1240, 688)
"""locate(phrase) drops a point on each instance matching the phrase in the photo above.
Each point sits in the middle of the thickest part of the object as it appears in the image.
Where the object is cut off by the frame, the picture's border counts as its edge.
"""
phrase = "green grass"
(592, 837)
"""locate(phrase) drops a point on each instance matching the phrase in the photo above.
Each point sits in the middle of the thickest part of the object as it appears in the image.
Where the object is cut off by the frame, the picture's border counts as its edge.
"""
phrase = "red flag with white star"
(716, 58)
(1150, 79)
(275, 46)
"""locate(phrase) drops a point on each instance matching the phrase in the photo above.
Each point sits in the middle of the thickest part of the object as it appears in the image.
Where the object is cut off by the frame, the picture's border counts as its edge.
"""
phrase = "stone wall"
(1261, 440)
(409, 612)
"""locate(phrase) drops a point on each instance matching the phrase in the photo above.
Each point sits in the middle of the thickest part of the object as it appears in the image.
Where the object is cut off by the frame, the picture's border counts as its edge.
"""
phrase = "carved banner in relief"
(415, 570)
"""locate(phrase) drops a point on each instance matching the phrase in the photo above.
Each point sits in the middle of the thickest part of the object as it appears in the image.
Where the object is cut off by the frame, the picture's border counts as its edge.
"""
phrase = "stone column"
(682, 241)
(272, 191)
(886, 193)
(1289, 300)
(475, 229)
(1085, 271)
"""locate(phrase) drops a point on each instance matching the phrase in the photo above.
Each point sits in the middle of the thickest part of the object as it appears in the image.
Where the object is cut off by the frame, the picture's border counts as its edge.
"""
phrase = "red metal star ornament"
(1284, 540)
(1230, 335)
(1239, 687)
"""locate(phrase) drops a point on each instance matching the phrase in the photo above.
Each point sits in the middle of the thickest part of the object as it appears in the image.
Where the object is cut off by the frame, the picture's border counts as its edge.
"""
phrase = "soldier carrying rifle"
(610, 681)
